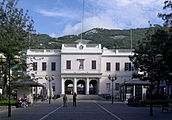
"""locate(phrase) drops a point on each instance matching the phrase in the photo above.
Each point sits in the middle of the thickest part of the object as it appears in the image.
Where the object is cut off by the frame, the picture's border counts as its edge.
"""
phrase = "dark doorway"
(93, 87)
(81, 87)
(68, 87)
(138, 91)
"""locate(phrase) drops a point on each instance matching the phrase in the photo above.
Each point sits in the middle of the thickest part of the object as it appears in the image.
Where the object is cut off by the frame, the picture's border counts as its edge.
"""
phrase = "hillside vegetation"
(113, 39)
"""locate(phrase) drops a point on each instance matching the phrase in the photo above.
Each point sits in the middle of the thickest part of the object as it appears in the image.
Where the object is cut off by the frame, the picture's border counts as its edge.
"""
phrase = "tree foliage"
(167, 16)
(167, 41)
(15, 27)
(153, 45)
(156, 41)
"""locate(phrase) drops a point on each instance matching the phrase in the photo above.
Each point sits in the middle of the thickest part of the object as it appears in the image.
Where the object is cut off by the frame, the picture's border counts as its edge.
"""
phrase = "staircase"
(85, 97)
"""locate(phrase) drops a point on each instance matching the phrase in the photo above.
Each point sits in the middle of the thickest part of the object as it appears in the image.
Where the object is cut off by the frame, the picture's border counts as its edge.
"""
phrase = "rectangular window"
(53, 66)
(117, 66)
(68, 64)
(35, 66)
(127, 66)
(53, 87)
(93, 64)
(44, 66)
(116, 86)
(108, 66)
(107, 87)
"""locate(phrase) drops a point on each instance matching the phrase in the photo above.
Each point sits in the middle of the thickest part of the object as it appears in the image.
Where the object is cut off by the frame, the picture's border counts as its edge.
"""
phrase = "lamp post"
(3, 59)
(112, 79)
(151, 66)
(49, 79)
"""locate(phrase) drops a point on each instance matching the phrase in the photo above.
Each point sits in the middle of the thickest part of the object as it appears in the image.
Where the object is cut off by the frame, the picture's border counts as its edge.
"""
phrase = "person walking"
(74, 99)
(64, 100)
(71, 91)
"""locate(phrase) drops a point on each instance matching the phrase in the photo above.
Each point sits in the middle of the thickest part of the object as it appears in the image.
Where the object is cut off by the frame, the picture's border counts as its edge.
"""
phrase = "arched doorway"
(93, 87)
(68, 87)
(81, 87)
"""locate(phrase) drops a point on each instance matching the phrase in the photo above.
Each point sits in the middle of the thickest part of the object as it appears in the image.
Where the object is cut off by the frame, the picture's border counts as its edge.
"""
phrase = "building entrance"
(81, 87)
(93, 87)
(69, 87)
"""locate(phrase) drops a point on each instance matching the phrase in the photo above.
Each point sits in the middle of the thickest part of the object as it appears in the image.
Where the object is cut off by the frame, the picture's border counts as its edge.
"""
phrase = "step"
(86, 97)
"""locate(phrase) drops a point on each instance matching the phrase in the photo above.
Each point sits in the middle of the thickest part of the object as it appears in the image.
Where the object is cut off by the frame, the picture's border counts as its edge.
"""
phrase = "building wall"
(78, 52)
(75, 63)
(40, 74)
(74, 53)
(114, 56)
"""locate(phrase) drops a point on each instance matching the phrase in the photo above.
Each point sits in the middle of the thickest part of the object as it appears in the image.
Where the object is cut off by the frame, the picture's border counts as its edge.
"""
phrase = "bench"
(167, 107)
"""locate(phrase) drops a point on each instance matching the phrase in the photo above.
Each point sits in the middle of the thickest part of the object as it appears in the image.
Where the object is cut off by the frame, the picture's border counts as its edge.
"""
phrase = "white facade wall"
(74, 53)
(113, 57)
(86, 53)
(75, 63)
(48, 57)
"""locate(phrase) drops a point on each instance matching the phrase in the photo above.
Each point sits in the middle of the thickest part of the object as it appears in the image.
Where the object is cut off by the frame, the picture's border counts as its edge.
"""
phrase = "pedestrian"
(27, 101)
(19, 102)
(64, 100)
(71, 91)
(74, 99)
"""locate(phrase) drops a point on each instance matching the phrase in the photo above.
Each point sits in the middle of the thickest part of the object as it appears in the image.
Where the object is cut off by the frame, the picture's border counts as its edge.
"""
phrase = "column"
(125, 89)
(170, 92)
(75, 85)
(134, 90)
(62, 87)
(143, 93)
(36, 94)
(87, 86)
(99, 87)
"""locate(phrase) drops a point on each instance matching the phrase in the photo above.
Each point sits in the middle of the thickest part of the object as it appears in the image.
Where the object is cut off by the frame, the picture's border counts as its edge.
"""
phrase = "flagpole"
(131, 38)
(82, 24)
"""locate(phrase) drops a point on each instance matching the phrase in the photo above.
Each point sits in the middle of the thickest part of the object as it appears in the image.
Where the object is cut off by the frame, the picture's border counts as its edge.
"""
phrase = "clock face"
(81, 47)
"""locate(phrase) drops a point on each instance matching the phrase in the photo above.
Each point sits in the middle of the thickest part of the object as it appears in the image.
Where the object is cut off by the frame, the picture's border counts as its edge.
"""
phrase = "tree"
(158, 40)
(167, 17)
(154, 44)
(15, 28)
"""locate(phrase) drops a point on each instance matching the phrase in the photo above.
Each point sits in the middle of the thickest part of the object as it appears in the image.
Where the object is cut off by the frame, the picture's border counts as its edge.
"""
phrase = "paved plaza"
(85, 110)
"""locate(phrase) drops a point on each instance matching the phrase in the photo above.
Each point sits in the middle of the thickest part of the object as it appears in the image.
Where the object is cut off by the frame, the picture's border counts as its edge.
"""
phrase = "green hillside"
(108, 38)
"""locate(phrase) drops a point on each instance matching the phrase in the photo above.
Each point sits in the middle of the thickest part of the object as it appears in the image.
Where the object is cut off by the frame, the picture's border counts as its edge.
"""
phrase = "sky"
(64, 17)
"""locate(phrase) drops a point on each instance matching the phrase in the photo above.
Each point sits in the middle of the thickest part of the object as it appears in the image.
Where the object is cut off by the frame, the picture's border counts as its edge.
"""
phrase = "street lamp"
(49, 79)
(112, 79)
(3, 59)
(151, 59)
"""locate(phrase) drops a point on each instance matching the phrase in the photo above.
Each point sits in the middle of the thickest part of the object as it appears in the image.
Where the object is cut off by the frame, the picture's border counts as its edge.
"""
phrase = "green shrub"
(3, 97)
(5, 102)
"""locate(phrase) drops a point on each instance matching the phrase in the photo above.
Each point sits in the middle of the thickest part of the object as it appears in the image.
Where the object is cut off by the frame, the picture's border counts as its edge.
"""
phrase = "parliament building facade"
(80, 68)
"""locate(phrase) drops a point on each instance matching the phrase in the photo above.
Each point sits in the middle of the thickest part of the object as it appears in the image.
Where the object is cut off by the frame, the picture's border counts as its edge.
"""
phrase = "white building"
(81, 68)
